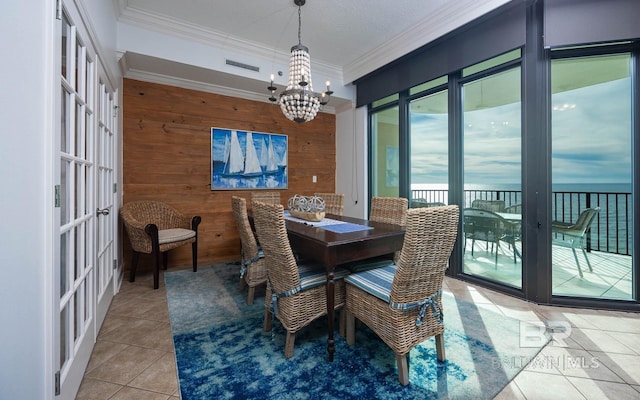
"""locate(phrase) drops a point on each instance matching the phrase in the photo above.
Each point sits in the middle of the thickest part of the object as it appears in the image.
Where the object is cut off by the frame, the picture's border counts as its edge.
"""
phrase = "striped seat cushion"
(312, 275)
(376, 282)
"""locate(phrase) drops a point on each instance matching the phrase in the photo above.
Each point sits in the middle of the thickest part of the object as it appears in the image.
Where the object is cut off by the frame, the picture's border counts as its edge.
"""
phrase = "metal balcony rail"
(611, 232)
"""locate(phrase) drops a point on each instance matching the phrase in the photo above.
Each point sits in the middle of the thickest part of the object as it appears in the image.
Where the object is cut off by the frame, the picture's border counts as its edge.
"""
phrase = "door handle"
(104, 211)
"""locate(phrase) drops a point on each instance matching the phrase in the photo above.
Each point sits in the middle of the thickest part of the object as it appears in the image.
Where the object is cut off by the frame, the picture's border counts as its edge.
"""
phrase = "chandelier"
(298, 101)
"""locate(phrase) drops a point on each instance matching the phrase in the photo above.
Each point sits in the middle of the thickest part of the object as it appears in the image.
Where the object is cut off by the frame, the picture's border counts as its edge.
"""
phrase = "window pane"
(385, 153)
(592, 164)
(428, 85)
(492, 178)
(510, 56)
(429, 176)
(388, 99)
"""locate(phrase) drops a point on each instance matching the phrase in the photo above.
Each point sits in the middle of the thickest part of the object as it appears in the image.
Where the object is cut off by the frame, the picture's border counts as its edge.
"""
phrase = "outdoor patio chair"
(252, 271)
(296, 293)
(490, 205)
(401, 302)
(489, 227)
(574, 235)
(155, 228)
(333, 203)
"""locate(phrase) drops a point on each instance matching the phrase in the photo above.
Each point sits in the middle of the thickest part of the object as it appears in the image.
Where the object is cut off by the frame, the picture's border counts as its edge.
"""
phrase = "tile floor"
(594, 355)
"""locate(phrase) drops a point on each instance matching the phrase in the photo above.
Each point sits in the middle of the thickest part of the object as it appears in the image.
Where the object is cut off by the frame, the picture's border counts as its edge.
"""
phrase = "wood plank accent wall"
(167, 157)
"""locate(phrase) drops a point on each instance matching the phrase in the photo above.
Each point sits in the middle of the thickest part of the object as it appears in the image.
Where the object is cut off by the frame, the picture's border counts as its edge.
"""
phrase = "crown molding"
(446, 20)
(172, 27)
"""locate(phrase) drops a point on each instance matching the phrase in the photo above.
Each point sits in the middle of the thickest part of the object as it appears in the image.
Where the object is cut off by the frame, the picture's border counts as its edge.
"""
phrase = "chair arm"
(195, 221)
(138, 237)
(152, 231)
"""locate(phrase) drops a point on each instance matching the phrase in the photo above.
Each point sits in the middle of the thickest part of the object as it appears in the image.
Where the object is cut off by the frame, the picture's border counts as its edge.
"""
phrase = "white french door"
(85, 252)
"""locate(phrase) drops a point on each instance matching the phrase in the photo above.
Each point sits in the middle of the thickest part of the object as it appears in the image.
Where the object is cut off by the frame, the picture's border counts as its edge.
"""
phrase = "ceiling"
(346, 38)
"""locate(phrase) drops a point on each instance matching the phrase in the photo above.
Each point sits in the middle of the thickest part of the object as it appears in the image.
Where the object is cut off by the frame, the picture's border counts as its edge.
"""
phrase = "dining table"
(338, 240)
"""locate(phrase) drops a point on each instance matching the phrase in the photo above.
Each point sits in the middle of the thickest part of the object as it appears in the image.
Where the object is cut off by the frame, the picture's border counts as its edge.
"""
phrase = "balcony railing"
(611, 232)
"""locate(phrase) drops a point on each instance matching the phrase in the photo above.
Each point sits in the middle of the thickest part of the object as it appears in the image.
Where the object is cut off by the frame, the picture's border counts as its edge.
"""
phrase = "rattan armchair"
(296, 294)
(155, 228)
(401, 302)
(252, 271)
(333, 203)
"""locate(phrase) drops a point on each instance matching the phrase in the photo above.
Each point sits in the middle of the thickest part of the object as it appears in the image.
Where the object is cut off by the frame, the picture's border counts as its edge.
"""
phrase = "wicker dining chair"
(252, 271)
(296, 294)
(333, 202)
(155, 228)
(389, 210)
(266, 197)
(401, 302)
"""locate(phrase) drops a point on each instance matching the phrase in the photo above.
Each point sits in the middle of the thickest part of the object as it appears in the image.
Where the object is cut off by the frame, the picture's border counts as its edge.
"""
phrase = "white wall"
(25, 264)
(351, 160)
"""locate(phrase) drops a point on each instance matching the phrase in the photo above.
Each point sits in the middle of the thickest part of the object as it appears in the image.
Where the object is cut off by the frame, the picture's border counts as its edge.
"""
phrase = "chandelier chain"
(299, 24)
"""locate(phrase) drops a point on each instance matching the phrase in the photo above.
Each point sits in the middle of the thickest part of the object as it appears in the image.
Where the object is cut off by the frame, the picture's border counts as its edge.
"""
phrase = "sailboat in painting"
(234, 159)
(272, 159)
(236, 163)
(251, 162)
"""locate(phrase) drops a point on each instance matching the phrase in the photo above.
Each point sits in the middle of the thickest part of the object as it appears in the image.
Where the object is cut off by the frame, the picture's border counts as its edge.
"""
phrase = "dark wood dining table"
(332, 249)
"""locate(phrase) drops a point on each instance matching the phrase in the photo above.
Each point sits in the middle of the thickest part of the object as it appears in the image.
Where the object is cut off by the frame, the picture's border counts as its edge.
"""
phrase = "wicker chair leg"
(194, 251)
(440, 347)
(165, 260)
(268, 317)
(342, 323)
(243, 283)
(134, 265)
(252, 291)
(403, 369)
(351, 328)
(288, 345)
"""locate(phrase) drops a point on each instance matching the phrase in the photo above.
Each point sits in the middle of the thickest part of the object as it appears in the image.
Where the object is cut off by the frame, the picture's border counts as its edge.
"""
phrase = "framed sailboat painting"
(248, 160)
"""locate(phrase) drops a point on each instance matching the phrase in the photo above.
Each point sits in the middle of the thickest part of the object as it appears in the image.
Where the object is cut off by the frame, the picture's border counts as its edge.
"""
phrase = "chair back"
(484, 224)
(428, 243)
(491, 205)
(585, 219)
(389, 210)
(282, 269)
(150, 212)
(266, 197)
(333, 202)
(247, 239)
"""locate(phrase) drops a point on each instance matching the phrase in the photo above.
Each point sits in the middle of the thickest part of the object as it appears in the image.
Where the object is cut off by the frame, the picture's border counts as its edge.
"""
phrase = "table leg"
(331, 287)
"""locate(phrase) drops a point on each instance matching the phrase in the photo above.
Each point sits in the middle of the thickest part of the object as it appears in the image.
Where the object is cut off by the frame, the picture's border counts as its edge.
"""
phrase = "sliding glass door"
(492, 219)
(592, 166)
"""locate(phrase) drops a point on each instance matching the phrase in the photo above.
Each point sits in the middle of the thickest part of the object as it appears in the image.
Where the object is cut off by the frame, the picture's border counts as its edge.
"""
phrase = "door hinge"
(58, 10)
(115, 264)
(56, 378)
(57, 196)
(115, 187)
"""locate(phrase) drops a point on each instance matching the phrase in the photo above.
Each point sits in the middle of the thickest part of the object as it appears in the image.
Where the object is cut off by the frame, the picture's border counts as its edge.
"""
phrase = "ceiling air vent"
(241, 65)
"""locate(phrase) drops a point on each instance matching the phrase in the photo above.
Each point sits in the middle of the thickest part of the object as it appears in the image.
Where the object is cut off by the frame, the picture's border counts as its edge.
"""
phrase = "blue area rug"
(223, 353)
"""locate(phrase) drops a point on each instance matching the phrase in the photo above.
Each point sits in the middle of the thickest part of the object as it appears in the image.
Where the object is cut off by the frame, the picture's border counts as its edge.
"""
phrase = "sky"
(591, 140)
